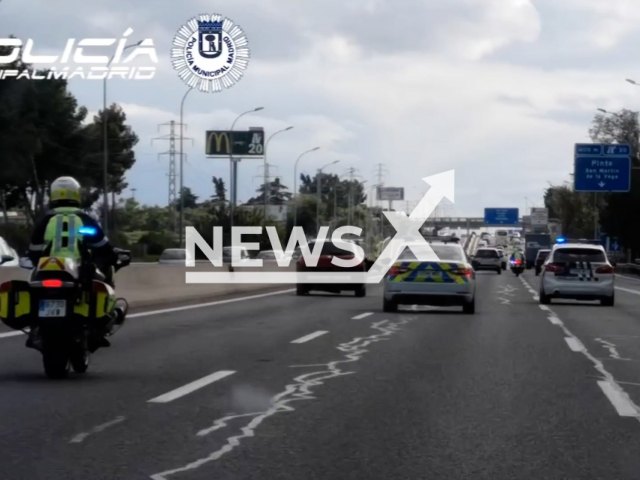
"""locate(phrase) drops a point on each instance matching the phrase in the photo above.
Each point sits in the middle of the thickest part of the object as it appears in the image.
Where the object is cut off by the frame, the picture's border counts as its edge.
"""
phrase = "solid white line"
(362, 315)
(191, 387)
(574, 344)
(618, 399)
(208, 304)
(635, 292)
(311, 336)
(628, 278)
(81, 436)
(11, 334)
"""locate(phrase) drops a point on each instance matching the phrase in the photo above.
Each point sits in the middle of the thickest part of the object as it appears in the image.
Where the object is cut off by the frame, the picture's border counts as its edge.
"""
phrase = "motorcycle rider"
(57, 235)
(517, 255)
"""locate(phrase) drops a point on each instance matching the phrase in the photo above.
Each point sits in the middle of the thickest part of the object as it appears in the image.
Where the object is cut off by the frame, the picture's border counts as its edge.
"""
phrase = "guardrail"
(156, 284)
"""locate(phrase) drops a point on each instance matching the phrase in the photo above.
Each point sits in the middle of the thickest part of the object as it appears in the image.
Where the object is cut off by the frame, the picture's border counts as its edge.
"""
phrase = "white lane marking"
(191, 387)
(299, 390)
(613, 352)
(311, 336)
(620, 394)
(630, 383)
(620, 401)
(180, 309)
(628, 290)
(362, 315)
(11, 334)
(554, 320)
(628, 278)
(81, 436)
(208, 304)
(574, 344)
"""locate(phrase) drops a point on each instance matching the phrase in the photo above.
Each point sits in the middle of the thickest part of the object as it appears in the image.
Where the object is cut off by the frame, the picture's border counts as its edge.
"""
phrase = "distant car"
(173, 256)
(577, 271)
(328, 252)
(540, 259)
(487, 259)
(450, 281)
(8, 255)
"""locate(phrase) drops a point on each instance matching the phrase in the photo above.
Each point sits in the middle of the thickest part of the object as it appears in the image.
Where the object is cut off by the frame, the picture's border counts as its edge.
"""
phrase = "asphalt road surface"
(331, 388)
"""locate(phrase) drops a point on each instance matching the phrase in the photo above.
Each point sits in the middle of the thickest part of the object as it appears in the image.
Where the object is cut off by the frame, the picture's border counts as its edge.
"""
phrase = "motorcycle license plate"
(52, 308)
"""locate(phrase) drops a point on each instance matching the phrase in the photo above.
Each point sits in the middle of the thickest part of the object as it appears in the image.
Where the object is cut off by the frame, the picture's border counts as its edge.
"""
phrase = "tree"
(619, 212)
(186, 198)
(278, 194)
(575, 210)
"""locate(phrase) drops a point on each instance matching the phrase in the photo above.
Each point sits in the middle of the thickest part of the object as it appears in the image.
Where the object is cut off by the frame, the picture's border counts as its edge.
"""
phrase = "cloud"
(497, 89)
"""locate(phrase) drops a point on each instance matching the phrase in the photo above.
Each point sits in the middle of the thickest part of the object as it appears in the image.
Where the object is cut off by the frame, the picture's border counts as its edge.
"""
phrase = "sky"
(498, 90)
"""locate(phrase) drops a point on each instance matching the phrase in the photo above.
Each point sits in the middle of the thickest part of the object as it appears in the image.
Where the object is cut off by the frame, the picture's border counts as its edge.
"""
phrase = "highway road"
(330, 387)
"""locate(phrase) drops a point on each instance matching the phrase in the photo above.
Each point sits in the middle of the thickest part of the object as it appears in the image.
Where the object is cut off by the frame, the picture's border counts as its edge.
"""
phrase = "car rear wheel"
(469, 308)
(389, 306)
(544, 299)
(361, 291)
(499, 270)
(300, 290)
(608, 302)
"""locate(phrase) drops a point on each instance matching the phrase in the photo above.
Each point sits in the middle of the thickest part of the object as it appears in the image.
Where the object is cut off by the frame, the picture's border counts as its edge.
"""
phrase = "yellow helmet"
(65, 192)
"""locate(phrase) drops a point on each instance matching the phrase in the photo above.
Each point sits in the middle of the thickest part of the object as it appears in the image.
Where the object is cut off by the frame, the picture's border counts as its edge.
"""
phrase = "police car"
(449, 281)
(577, 271)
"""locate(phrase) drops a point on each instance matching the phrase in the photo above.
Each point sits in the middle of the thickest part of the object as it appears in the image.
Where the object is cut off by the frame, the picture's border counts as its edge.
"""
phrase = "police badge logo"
(210, 52)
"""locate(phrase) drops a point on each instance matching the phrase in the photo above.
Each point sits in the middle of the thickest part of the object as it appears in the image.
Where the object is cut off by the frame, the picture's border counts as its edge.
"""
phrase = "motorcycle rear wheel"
(80, 360)
(56, 363)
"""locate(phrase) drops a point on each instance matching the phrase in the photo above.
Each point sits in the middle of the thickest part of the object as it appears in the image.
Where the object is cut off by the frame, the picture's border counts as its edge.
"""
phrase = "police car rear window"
(443, 252)
(569, 255)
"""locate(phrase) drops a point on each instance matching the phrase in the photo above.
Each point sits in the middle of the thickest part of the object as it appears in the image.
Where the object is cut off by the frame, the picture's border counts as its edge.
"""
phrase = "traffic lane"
(149, 357)
(496, 395)
(610, 334)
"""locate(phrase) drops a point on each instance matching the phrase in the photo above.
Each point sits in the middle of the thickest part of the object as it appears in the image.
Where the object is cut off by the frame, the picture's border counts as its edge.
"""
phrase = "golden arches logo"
(218, 138)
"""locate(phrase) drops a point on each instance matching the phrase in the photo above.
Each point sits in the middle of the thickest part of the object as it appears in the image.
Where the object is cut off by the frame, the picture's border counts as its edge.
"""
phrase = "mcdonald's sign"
(219, 142)
(238, 143)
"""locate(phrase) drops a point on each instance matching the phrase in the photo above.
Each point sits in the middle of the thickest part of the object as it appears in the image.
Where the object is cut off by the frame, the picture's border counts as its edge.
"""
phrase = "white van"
(502, 237)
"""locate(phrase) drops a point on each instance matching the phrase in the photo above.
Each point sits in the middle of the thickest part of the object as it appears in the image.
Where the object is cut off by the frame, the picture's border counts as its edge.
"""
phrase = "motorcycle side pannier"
(15, 304)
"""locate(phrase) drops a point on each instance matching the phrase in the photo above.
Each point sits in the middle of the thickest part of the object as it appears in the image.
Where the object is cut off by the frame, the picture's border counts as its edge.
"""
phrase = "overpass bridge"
(470, 223)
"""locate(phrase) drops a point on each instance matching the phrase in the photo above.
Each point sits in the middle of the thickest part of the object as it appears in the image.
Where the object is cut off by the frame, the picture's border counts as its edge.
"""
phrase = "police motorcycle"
(517, 266)
(67, 306)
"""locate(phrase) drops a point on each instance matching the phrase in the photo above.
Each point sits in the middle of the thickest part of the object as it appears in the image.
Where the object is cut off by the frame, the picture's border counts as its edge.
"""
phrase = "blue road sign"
(501, 216)
(614, 246)
(602, 149)
(602, 174)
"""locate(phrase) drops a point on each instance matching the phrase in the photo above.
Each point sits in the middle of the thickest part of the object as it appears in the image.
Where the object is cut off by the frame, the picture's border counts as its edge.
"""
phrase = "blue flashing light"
(87, 231)
(561, 240)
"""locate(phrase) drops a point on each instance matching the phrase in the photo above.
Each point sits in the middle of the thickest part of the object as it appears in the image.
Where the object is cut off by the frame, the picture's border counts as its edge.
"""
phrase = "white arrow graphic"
(408, 228)
(601, 184)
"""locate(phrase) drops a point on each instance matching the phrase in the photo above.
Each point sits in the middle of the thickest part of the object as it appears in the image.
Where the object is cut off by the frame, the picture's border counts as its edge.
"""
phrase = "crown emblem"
(210, 27)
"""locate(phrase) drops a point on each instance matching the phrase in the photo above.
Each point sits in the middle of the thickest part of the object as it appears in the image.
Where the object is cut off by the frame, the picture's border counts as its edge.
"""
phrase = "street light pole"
(267, 190)
(105, 172)
(319, 198)
(295, 183)
(232, 164)
(182, 168)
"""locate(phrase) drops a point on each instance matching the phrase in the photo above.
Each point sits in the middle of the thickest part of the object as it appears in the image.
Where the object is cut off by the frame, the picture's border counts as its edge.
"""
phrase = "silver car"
(450, 281)
(579, 272)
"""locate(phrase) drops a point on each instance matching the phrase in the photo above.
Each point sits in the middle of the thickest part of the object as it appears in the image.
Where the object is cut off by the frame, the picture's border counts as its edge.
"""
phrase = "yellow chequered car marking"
(429, 272)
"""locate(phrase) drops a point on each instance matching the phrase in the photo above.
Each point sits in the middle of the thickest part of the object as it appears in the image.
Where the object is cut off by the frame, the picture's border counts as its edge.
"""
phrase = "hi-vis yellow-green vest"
(62, 233)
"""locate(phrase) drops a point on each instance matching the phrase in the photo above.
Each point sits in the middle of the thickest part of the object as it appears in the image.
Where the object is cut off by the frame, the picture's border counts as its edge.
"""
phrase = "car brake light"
(463, 272)
(553, 267)
(397, 270)
(52, 283)
(604, 269)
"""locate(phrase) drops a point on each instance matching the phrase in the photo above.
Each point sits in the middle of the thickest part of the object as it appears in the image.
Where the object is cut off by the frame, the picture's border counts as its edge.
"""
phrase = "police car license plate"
(52, 308)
